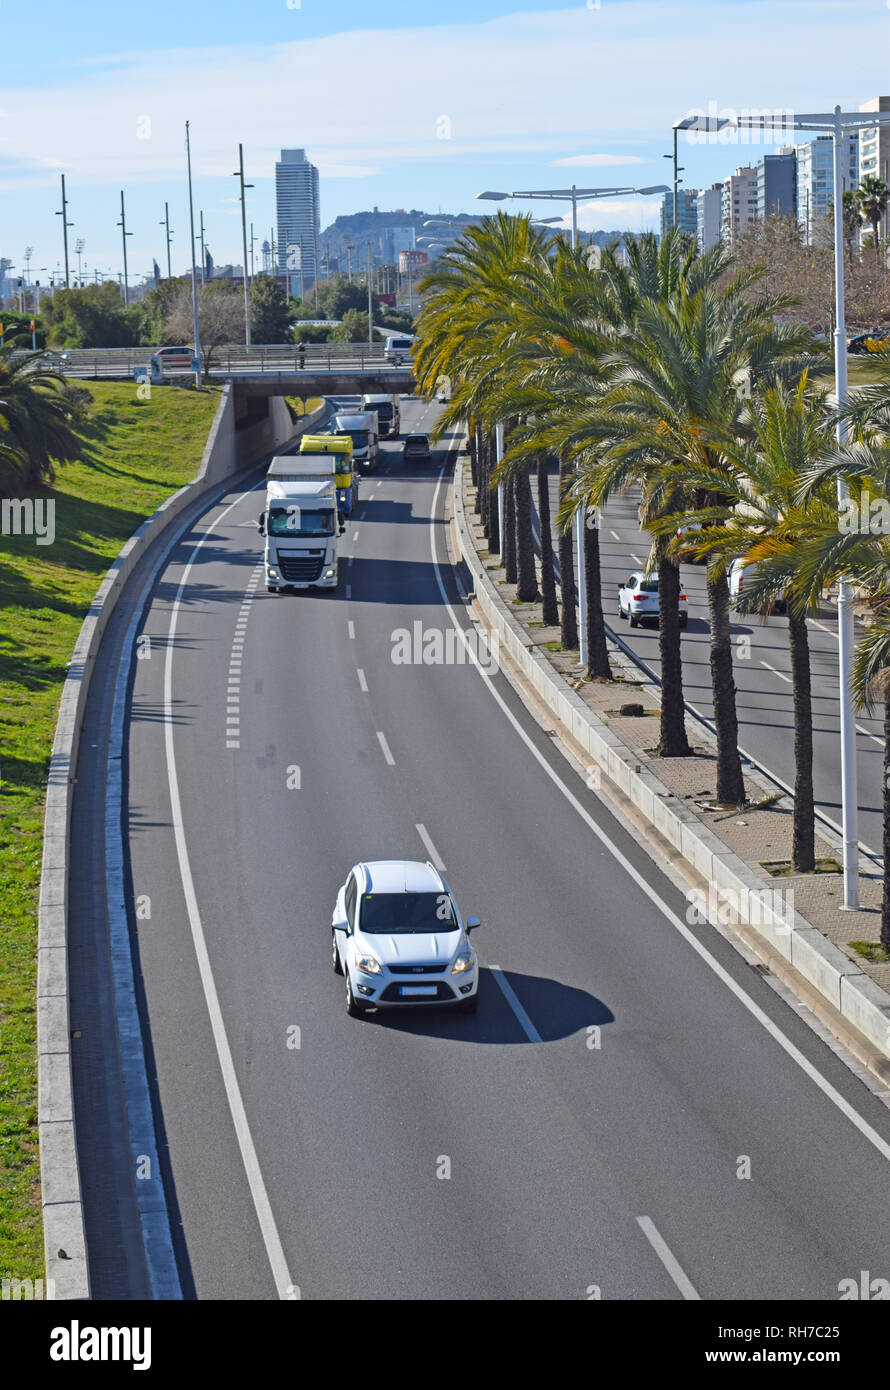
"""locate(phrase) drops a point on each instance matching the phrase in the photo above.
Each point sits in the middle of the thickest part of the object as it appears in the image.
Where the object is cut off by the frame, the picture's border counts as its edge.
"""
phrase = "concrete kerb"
(63, 1222)
(838, 979)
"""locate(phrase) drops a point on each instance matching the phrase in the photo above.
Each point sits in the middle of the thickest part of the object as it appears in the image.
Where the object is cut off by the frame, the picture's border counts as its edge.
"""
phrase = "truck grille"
(300, 569)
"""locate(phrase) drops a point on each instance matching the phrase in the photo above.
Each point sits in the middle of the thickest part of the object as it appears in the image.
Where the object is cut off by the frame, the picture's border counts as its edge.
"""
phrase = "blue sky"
(400, 105)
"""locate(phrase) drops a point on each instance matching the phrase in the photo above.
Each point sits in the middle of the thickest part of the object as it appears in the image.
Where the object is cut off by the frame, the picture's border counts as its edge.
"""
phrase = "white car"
(638, 600)
(397, 350)
(741, 574)
(398, 938)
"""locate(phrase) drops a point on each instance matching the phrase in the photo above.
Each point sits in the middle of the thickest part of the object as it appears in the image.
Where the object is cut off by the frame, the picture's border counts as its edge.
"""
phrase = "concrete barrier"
(227, 450)
(838, 979)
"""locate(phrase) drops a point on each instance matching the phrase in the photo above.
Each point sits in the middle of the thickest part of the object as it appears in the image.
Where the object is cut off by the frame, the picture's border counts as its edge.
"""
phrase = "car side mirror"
(261, 523)
(340, 924)
(471, 924)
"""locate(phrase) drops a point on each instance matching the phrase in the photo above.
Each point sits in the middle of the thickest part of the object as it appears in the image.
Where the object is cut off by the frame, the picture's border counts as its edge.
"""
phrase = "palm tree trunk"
(550, 614)
(672, 742)
(527, 590)
(569, 627)
(474, 461)
(508, 541)
(885, 899)
(491, 500)
(598, 667)
(803, 844)
(730, 783)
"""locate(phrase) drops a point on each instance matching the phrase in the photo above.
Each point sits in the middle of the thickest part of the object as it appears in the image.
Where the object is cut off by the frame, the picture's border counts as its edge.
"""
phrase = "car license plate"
(417, 989)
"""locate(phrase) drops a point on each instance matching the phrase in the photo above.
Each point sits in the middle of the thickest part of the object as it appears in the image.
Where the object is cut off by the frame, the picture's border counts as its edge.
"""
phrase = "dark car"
(417, 446)
(872, 341)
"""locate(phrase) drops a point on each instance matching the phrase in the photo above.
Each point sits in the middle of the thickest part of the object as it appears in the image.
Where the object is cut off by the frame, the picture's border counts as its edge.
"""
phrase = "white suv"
(397, 937)
(638, 600)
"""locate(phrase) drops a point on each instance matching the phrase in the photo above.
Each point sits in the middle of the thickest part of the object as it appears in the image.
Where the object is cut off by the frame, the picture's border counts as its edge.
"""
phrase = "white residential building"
(710, 210)
(815, 178)
(874, 151)
(739, 204)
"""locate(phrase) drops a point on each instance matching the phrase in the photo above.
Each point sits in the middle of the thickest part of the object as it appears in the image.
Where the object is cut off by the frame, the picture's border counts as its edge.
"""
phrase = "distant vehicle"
(300, 526)
(741, 575)
(638, 600)
(874, 340)
(687, 531)
(51, 359)
(173, 359)
(417, 446)
(398, 939)
(364, 430)
(442, 395)
(317, 452)
(388, 416)
(397, 350)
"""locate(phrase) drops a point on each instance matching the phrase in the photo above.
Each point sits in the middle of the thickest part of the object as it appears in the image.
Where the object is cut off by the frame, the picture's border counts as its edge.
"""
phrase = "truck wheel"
(353, 1007)
(270, 589)
(335, 955)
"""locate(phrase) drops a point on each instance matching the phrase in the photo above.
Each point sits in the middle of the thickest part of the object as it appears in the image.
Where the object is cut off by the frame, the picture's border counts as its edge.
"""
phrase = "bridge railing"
(95, 363)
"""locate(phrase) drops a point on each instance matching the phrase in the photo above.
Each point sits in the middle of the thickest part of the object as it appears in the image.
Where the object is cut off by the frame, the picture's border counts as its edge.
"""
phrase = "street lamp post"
(63, 213)
(370, 300)
(572, 195)
(169, 237)
(79, 246)
(188, 156)
(837, 124)
(239, 174)
(203, 250)
(124, 234)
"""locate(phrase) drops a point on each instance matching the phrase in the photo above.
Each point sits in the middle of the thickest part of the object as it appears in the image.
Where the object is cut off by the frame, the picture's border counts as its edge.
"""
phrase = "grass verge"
(136, 453)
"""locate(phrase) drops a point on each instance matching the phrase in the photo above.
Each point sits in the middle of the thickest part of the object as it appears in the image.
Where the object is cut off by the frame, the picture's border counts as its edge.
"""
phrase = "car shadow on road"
(552, 1011)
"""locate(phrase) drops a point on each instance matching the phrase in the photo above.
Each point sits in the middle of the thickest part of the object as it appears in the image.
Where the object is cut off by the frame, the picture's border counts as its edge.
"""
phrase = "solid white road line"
(435, 856)
(775, 1032)
(390, 760)
(274, 1249)
(509, 994)
(668, 1259)
(361, 680)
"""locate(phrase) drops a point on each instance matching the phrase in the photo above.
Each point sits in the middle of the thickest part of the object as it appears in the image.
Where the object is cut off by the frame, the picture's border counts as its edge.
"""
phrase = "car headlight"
(369, 964)
(464, 960)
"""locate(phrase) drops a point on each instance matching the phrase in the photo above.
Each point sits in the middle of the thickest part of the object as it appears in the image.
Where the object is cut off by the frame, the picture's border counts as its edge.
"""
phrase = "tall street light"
(837, 124)
(571, 195)
(169, 237)
(188, 158)
(203, 251)
(239, 174)
(63, 213)
(124, 234)
(370, 300)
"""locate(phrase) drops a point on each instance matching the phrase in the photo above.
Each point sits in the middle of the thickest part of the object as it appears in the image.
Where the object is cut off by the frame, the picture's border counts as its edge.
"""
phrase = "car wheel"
(684, 619)
(632, 619)
(335, 955)
(353, 1007)
(468, 1006)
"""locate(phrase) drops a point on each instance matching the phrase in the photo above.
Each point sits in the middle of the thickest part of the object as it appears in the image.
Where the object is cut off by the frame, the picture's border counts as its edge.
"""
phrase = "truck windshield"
(384, 411)
(359, 438)
(293, 520)
(407, 912)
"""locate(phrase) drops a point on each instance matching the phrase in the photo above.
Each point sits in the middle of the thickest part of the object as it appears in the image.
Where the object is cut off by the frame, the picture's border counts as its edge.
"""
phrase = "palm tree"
(871, 197)
(676, 404)
(36, 422)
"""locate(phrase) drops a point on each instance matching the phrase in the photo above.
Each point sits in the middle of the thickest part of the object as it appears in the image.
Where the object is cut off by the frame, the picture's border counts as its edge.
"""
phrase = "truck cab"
(330, 454)
(387, 408)
(363, 429)
(300, 525)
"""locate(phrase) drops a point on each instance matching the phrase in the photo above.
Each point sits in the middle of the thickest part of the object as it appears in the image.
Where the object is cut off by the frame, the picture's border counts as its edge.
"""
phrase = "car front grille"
(305, 569)
(391, 994)
(417, 969)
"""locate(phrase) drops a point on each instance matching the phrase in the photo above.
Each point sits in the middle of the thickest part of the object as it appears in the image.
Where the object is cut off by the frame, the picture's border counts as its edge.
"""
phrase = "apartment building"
(815, 178)
(739, 204)
(687, 211)
(874, 152)
(296, 196)
(777, 184)
(709, 209)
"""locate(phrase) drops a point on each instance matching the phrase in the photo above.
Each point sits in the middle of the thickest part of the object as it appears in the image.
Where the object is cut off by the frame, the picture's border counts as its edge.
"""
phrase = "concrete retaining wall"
(863, 1003)
(227, 450)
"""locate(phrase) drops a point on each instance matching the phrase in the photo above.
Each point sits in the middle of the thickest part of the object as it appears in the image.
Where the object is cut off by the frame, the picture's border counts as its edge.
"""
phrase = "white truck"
(301, 526)
(364, 431)
(387, 411)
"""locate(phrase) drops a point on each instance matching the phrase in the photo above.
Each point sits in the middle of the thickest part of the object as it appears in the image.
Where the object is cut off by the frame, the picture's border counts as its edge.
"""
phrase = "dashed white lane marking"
(233, 700)
(780, 674)
(435, 856)
(378, 482)
(349, 559)
(615, 534)
(508, 992)
(363, 684)
(349, 591)
(635, 557)
(354, 537)
(350, 628)
(668, 1259)
(391, 762)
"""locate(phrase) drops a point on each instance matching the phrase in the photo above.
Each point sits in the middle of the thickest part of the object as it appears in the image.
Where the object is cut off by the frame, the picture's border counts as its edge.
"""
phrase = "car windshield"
(407, 912)
(299, 521)
(417, 439)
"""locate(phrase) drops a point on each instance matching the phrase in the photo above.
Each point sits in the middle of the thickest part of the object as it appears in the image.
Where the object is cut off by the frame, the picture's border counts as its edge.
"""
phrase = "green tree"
(871, 196)
(352, 329)
(270, 320)
(92, 317)
(220, 317)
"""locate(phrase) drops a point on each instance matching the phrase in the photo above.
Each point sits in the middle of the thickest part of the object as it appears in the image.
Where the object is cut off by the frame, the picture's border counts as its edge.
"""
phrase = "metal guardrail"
(124, 362)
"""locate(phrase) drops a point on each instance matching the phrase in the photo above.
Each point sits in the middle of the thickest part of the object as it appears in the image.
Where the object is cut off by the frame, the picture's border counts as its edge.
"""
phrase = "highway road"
(762, 666)
(592, 1127)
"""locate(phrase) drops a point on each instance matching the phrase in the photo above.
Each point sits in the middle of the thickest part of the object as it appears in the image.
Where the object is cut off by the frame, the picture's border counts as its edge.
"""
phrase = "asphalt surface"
(762, 666)
(588, 1126)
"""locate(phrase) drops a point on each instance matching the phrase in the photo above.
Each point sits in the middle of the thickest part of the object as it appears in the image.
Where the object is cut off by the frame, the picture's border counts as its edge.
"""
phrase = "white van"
(741, 575)
(397, 350)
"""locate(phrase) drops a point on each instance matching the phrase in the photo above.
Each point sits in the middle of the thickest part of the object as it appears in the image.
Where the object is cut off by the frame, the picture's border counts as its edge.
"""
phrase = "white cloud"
(597, 161)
